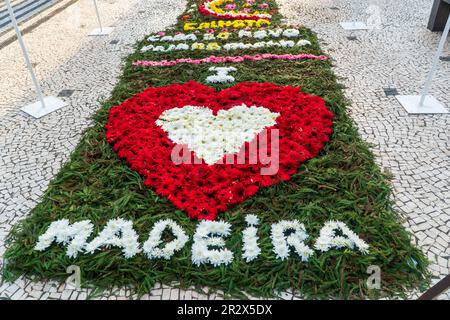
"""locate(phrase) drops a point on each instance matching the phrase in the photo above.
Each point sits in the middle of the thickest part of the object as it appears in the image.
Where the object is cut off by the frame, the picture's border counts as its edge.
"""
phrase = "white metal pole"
(98, 16)
(25, 52)
(427, 87)
(353, 8)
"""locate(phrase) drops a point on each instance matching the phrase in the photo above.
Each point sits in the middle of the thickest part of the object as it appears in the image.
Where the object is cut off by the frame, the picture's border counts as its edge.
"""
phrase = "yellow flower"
(198, 46)
(213, 46)
(219, 24)
(224, 35)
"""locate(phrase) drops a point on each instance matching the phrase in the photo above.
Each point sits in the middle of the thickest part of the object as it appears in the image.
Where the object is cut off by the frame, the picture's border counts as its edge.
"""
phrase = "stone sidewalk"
(396, 51)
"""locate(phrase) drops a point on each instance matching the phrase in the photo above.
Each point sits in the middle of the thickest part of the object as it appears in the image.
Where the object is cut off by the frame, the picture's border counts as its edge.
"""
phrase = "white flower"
(211, 233)
(182, 46)
(281, 242)
(117, 233)
(246, 34)
(328, 238)
(202, 132)
(261, 34)
(275, 33)
(291, 33)
(252, 220)
(303, 43)
(151, 246)
(213, 46)
(209, 36)
(250, 239)
(147, 48)
(154, 38)
(222, 75)
(287, 44)
(61, 231)
(166, 38)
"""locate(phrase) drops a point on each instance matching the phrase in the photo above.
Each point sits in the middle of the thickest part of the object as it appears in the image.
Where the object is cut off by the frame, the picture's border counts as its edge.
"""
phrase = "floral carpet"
(224, 158)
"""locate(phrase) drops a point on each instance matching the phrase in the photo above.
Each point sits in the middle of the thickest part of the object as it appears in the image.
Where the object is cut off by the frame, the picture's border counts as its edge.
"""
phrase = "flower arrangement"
(209, 246)
(330, 240)
(220, 24)
(213, 46)
(225, 35)
(222, 75)
(251, 250)
(169, 203)
(152, 246)
(201, 188)
(223, 133)
(213, 8)
(230, 59)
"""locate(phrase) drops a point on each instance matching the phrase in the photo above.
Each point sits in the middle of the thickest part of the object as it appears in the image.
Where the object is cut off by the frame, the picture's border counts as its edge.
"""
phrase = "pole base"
(101, 32)
(430, 106)
(37, 111)
(354, 25)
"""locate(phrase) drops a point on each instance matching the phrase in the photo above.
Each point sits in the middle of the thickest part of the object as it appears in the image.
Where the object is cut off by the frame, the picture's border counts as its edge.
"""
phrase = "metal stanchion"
(101, 31)
(44, 105)
(425, 103)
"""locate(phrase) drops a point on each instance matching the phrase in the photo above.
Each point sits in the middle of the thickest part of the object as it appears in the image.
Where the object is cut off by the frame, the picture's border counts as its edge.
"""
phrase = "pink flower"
(161, 34)
(230, 6)
(264, 5)
(232, 59)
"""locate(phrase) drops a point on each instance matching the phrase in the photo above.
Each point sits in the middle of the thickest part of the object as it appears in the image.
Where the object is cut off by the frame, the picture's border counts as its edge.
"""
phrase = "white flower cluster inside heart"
(209, 246)
(213, 136)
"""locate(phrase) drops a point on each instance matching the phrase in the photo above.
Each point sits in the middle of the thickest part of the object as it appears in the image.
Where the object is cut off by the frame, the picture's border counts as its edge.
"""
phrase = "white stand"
(425, 103)
(354, 24)
(50, 104)
(430, 105)
(44, 105)
(102, 31)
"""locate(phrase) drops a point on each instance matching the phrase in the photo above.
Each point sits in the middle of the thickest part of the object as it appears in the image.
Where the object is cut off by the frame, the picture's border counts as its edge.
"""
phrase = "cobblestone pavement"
(50, 49)
(396, 51)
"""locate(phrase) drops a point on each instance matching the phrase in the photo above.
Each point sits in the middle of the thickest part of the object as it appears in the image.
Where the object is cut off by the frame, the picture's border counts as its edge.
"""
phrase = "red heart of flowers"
(202, 190)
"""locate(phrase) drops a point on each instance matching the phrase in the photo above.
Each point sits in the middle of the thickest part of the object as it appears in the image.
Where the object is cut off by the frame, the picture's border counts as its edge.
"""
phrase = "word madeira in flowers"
(228, 112)
(208, 242)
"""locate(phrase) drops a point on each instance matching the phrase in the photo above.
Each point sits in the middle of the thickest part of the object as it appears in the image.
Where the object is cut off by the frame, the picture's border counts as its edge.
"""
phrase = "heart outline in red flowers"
(201, 190)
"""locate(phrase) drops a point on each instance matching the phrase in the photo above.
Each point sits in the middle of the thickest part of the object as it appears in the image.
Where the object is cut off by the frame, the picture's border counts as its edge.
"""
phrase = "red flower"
(202, 190)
